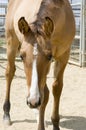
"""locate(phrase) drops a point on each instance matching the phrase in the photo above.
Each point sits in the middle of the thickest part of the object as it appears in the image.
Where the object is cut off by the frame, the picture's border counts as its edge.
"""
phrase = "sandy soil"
(72, 105)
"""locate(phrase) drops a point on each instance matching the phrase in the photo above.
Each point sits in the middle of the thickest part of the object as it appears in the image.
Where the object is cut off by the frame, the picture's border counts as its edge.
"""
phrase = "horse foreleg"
(41, 125)
(56, 90)
(10, 70)
(55, 114)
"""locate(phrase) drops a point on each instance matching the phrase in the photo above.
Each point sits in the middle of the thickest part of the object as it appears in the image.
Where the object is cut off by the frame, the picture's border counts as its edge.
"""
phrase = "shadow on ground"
(67, 122)
(73, 122)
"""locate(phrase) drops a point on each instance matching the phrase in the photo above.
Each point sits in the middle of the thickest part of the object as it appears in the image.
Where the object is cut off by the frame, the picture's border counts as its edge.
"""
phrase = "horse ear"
(23, 25)
(48, 26)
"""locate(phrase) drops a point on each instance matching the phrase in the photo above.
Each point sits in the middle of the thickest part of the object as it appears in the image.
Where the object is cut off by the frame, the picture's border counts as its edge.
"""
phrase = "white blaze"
(34, 90)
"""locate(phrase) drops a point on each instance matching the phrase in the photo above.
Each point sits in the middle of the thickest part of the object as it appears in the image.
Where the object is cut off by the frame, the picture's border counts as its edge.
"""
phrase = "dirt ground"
(72, 105)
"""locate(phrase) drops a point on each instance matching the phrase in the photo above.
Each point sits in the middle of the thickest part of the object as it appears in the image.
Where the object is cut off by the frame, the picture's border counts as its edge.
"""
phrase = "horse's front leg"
(57, 87)
(10, 71)
(55, 114)
(41, 125)
(9, 76)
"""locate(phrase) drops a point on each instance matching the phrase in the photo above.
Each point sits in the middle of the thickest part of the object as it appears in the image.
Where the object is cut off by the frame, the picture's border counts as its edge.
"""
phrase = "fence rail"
(75, 48)
(78, 48)
(3, 10)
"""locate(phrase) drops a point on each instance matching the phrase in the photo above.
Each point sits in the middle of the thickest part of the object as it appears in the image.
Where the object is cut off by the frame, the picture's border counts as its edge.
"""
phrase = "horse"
(39, 31)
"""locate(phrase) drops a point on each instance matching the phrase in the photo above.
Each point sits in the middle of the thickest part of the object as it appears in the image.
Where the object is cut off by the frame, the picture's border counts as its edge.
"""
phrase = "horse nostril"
(37, 104)
(29, 104)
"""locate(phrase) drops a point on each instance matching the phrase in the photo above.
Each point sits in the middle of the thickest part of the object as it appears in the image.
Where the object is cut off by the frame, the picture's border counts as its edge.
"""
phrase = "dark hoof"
(54, 128)
(6, 120)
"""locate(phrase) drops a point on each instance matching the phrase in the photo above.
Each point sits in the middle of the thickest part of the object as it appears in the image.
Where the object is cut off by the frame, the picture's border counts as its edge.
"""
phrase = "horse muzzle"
(32, 103)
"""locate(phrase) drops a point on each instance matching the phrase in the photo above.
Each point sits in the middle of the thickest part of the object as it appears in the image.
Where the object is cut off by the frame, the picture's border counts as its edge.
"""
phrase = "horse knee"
(46, 94)
(54, 87)
(57, 87)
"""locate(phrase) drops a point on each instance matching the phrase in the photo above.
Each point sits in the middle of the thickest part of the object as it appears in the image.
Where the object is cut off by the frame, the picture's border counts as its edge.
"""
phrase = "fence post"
(83, 31)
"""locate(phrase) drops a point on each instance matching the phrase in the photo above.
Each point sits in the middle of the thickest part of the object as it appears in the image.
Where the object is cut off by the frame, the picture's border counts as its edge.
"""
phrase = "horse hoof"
(54, 128)
(6, 120)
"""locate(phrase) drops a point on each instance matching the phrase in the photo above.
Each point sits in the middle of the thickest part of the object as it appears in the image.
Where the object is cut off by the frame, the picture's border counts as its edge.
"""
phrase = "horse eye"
(21, 57)
(38, 32)
(49, 57)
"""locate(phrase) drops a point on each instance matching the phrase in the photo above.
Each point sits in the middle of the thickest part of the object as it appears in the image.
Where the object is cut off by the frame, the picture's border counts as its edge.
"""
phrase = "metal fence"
(3, 10)
(78, 48)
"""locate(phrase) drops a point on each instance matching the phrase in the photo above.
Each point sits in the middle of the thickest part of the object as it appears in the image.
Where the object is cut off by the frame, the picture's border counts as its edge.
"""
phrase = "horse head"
(36, 53)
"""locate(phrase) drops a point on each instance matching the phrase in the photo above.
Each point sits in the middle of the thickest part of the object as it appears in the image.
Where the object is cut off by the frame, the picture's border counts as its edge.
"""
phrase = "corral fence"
(78, 48)
(3, 10)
